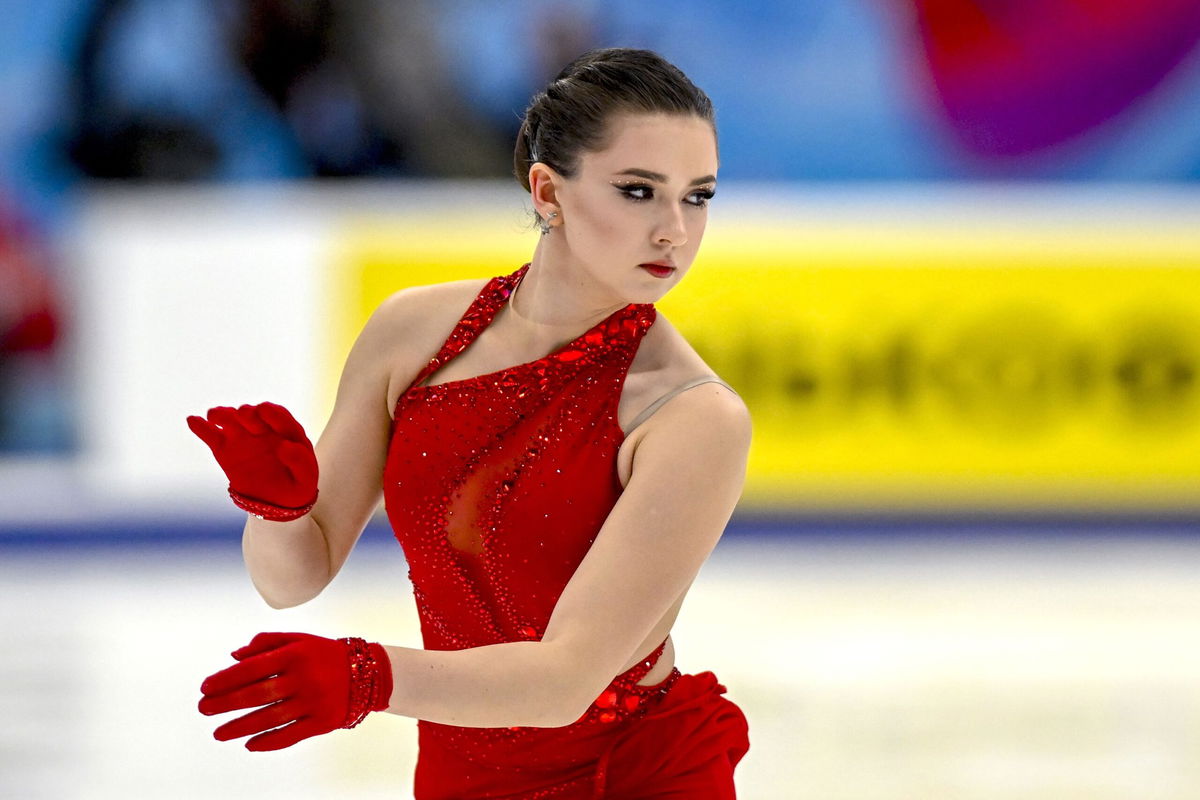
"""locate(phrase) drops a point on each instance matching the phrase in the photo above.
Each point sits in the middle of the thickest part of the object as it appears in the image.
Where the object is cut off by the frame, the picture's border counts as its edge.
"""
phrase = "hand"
(314, 685)
(263, 451)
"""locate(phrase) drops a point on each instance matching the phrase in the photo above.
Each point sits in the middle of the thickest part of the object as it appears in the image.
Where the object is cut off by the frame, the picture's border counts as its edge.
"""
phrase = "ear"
(544, 185)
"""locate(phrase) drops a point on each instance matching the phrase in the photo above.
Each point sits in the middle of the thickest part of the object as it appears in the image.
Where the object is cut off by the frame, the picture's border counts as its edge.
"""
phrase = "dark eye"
(648, 193)
(637, 187)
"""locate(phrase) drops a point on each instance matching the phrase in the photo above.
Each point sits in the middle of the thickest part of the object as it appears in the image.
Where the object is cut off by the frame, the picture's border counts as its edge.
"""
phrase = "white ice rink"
(1011, 665)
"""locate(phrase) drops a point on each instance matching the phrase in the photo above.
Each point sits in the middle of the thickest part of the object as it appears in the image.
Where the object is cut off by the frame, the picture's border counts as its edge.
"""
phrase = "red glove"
(270, 463)
(314, 685)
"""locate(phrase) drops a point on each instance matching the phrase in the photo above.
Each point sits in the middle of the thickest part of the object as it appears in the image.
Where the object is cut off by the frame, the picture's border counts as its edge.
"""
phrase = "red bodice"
(497, 485)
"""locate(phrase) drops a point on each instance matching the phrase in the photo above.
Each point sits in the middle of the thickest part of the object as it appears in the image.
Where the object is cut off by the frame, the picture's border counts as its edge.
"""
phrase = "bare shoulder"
(707, 411)
(407, 328)
(698, 443)
(428, 303)
(667, 355)
(666, 360)
(706, 425)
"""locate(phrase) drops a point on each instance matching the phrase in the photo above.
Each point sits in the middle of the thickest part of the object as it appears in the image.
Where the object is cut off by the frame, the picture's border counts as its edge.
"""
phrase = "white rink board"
(184, 298)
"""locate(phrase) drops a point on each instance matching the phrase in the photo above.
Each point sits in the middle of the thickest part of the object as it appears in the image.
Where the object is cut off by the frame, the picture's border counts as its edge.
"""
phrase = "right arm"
(292, 562)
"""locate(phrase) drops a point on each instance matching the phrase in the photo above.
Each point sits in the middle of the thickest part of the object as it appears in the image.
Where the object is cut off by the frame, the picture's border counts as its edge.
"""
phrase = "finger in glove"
(210, 434)
(259, 720)
(248, 418)
(263, 642)
(286, 736)
(245, 673)
(267, 690)
(226, 417)
(281, 421)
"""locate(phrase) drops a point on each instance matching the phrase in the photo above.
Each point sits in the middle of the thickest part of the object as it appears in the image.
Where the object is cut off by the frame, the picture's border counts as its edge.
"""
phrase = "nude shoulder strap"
(650, 409)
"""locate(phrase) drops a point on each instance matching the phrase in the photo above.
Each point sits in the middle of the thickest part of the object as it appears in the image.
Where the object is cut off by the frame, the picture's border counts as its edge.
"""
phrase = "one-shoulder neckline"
(491, 299)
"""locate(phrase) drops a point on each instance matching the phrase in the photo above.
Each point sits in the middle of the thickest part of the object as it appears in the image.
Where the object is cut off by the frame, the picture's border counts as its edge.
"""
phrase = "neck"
(557, 299)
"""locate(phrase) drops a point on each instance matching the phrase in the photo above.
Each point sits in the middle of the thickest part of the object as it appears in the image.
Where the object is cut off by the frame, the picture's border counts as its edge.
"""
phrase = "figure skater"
(556, 474)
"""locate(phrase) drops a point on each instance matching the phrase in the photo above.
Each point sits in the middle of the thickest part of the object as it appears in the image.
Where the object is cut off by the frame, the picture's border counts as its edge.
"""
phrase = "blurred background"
(953, 268)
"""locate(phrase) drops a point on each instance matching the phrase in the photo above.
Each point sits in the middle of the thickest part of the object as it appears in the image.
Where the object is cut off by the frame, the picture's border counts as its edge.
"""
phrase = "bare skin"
(682, 469)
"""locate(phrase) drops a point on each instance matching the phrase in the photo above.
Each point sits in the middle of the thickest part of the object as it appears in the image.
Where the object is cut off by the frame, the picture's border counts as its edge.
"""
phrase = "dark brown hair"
(570, 116)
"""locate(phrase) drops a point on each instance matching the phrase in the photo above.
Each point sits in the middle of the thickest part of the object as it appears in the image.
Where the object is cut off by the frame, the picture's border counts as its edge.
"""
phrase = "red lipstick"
(659, 269)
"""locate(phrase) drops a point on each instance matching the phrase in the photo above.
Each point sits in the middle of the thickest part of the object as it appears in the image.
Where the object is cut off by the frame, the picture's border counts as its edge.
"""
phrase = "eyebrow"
(658, 176)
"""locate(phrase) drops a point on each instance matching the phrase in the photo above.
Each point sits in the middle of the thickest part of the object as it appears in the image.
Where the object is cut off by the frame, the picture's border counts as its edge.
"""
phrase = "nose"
(671, 229)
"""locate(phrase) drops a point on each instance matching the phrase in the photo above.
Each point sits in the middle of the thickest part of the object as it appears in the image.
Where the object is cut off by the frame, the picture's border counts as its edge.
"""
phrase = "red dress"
(495, 487)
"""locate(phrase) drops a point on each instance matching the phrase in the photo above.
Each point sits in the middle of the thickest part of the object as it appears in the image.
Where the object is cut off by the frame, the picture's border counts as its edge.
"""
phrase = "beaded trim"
(269, 511)
(625, 697)
(627, 702)
(621, 324)
(363, 683)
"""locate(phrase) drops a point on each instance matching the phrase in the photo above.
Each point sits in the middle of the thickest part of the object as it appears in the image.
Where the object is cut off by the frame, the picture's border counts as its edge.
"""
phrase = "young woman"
(557, 474)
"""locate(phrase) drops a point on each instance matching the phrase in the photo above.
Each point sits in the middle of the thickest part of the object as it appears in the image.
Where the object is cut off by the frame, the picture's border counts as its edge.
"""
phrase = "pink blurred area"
(1018, 76)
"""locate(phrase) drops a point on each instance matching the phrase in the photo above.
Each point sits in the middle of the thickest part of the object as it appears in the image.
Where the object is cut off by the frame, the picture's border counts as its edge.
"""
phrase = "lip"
(662, 262)
(657, 270)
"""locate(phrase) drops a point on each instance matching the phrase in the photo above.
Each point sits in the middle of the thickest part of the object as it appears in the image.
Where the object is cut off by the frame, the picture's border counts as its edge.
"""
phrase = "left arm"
(491, 686)
(688, 474)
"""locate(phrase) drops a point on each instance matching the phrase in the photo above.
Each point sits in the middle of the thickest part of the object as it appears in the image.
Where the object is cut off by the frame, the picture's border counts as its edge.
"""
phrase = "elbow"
(279, 604)
(573, 701)
(559, 685)
(564, 712)
(578, 704)
(280, 601)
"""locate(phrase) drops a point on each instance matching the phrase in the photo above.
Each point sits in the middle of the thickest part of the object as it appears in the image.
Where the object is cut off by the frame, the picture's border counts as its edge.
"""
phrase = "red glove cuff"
(269, 511)
(370, 680)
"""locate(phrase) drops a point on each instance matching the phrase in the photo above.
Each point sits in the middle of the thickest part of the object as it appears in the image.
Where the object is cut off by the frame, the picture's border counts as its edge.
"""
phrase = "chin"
(654, 294)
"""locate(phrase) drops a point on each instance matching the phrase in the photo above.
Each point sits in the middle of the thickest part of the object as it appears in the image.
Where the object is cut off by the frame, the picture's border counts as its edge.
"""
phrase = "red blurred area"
(1017, 76)
(29, 307)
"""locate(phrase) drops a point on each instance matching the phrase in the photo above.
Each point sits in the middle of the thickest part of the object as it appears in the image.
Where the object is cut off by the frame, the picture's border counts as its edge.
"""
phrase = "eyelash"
(704, 193)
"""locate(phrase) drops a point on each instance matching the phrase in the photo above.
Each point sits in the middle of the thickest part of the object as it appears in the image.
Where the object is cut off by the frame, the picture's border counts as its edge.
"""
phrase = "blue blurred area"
(222, 532)
(251, 90)
(803, 91)
(827, 91)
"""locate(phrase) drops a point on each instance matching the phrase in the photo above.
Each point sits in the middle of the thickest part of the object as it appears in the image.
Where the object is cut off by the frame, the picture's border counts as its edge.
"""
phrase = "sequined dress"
(495, 487)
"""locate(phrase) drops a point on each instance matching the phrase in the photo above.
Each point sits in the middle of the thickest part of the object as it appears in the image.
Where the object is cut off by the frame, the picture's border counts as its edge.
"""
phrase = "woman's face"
(643, 198)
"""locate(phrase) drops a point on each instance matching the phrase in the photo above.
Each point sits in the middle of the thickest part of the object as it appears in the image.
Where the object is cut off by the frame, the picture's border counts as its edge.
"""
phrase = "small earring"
(546, 222)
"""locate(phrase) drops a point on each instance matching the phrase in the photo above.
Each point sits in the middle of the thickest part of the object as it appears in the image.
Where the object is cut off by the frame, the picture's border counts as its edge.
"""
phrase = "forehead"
(681, 146)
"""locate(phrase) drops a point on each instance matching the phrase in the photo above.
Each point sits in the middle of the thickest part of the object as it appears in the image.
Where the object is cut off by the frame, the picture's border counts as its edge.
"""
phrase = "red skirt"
(685, 744)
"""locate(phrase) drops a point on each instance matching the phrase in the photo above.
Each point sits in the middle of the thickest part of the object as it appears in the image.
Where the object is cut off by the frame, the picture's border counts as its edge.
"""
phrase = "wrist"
(269, 511)
(370, 679)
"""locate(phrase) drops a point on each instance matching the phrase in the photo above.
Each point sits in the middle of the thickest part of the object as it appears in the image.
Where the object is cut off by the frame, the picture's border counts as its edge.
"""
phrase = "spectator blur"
(184, 89)
(248, 90)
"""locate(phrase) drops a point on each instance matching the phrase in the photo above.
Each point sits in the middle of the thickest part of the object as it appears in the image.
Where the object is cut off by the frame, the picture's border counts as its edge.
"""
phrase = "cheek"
(593, 209)
(608, 217)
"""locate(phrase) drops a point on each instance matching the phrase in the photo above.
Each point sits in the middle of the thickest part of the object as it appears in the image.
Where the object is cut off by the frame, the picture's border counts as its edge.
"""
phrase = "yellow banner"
(904, 368)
